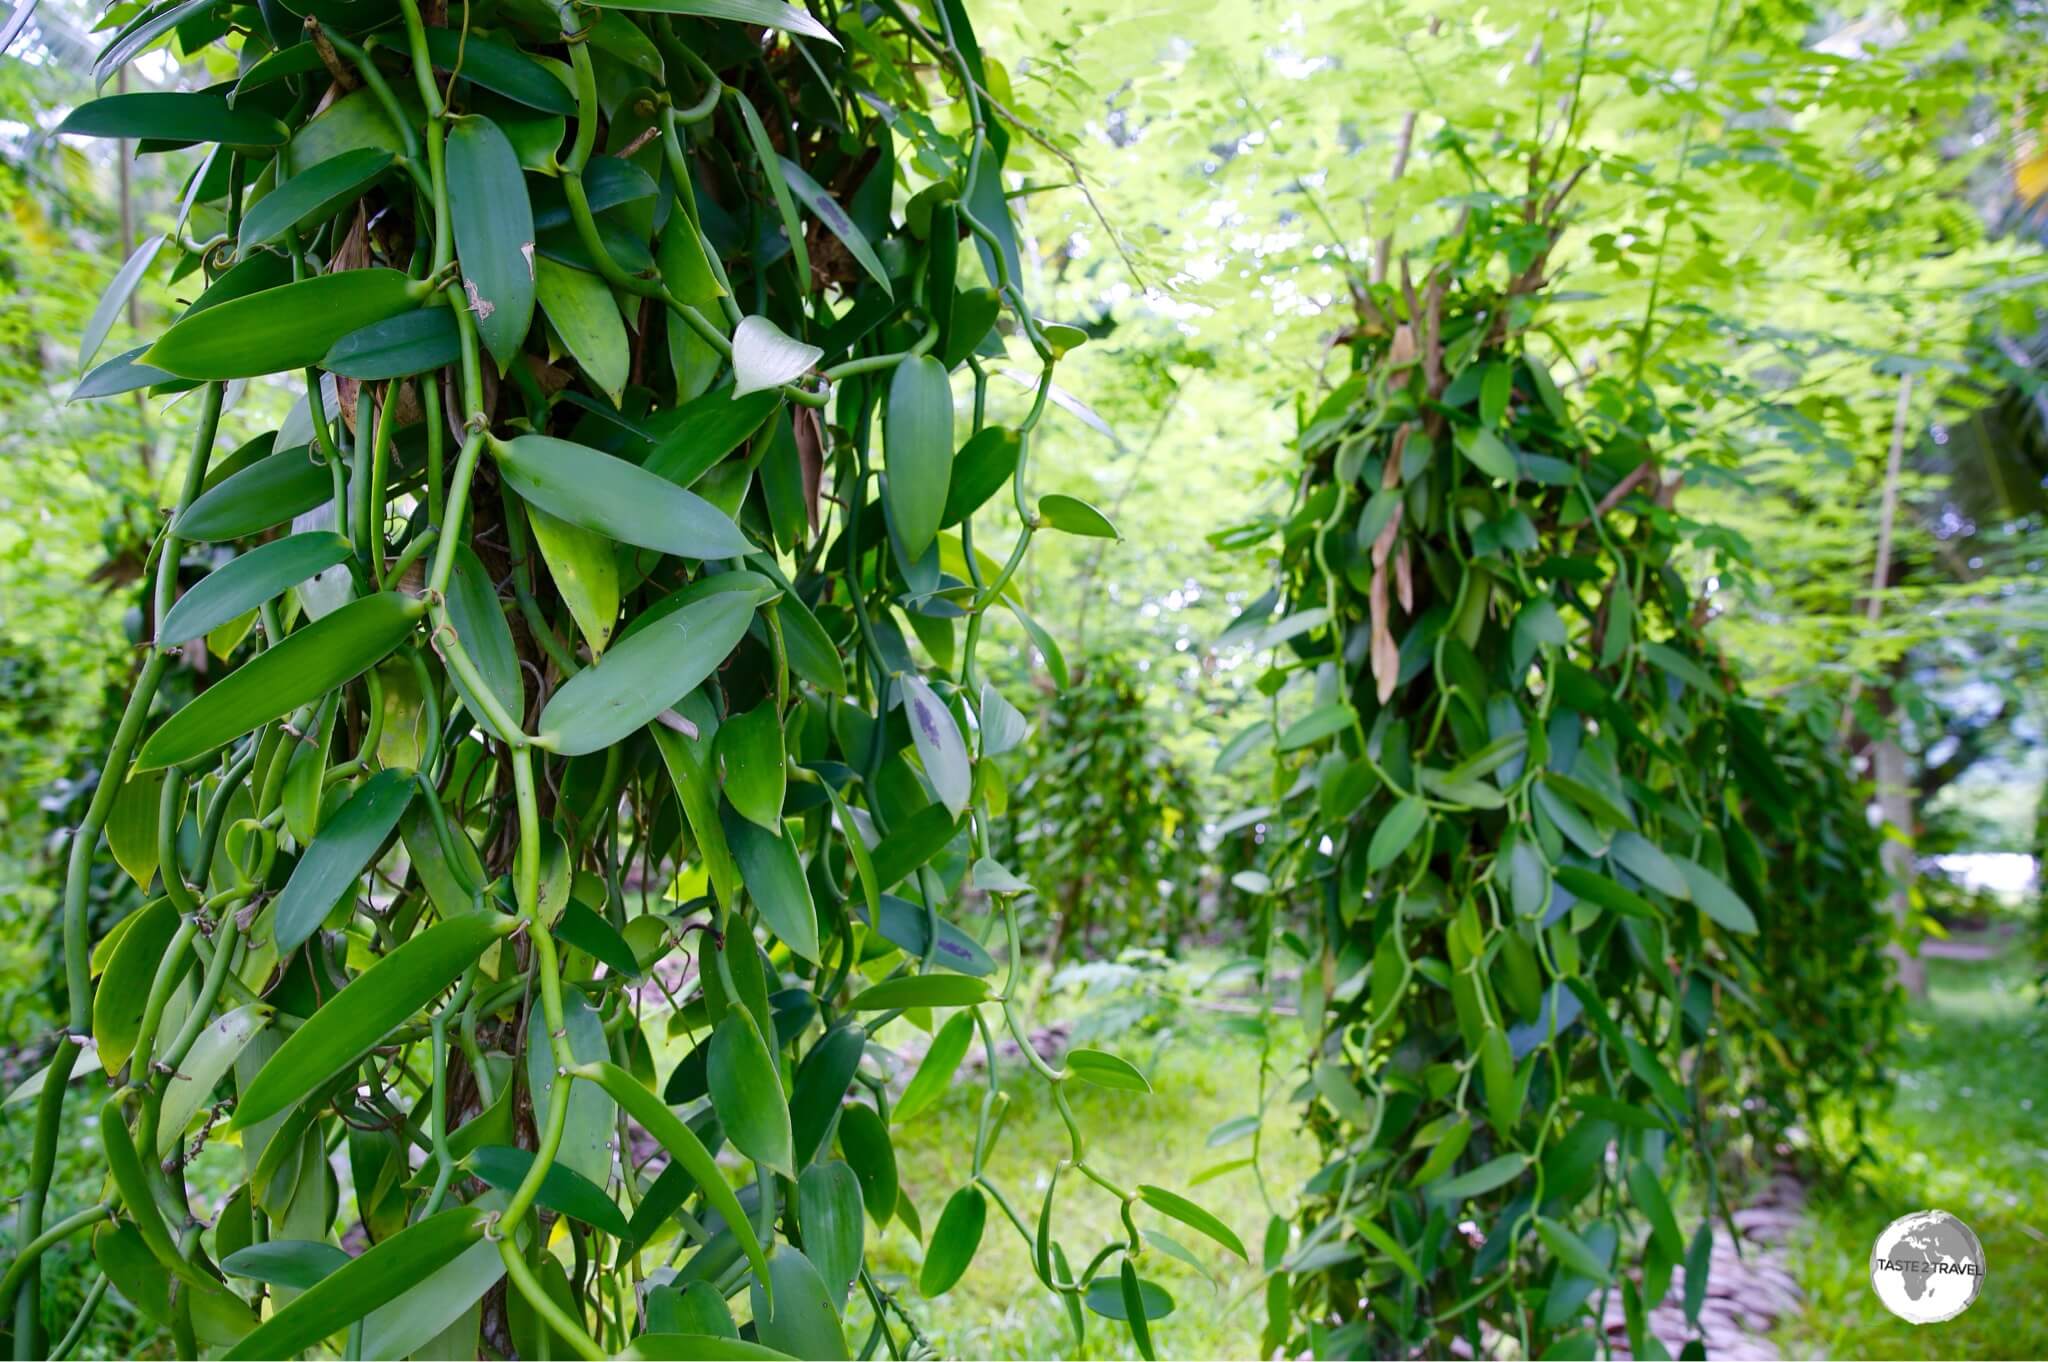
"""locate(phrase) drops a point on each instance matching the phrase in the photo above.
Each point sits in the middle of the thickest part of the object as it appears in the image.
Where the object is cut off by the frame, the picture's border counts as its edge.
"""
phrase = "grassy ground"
(1967, 1132)
(999, 1310)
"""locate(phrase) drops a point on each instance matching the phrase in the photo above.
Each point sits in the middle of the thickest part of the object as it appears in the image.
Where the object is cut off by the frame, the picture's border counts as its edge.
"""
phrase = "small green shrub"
(1104, 821)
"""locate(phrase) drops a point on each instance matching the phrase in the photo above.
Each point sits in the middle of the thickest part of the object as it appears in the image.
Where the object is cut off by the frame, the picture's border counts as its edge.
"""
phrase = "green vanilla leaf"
(190, 1091)
(247, 581)
(954, 1241)
(300, 1264)
(131, 827)
(347, 845)
(1106, 1070)
(1649, 863)
(683, 1146)
(579, 306)
(922, 990)
(747, 1094)
(751, 765)
(1648, 1195)
(298, 670)
(479, 620)
(398, 347)
(1106, 1297)
(1137, 1310)
(585, 569)
(1712, 896)
(561, 1188)
(689, 764)
(820, 1086)
(935, 1071)
(494, 235)
(767, 161)
(1075, 516)
(1396, 832)
(355, 1020)
(500, 68)
(124, 373)
(111, 303)
(644, 675)
(697, 1309)
(124, 1169)
(1495, 1172)
(773, 873)
(982, 467)
(865, 1142)
(1193, 1216)
(587, 931)
(143, 32)
(827, 210)
(174, 116)
(1571, 1250)
(1486, 452)
(288, 327)
(268, 492)
(384, 1272)
(917, 449)
(801, 1320)
(127, 960)
(611, 497)
(314, 195)
(834, 1224)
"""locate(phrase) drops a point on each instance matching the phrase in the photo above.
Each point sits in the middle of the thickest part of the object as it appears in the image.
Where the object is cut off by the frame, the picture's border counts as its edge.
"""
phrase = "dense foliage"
(583, 836)
(1826, 1002)
(1510, 805)
(579, 680)
(1105, 822)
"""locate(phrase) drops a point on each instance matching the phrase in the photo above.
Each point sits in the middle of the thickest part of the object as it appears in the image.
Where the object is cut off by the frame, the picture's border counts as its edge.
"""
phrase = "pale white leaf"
(763, 357)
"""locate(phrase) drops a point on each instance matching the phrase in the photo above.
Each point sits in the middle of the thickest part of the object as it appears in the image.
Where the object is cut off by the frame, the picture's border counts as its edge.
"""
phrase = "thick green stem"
(78, 880)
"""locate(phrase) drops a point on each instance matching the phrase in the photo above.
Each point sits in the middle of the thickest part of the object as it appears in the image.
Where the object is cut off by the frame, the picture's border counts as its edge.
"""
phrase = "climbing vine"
(573, 810)
(1514, 834)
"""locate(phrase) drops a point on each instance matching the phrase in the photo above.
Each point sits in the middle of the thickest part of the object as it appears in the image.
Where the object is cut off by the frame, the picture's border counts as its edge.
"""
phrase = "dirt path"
(1985, 945)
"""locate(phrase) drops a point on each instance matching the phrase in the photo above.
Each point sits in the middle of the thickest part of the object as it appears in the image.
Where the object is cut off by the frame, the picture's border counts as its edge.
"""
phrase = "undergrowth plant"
(568, 711)
(1104, 821)
(1828, 1005)
(1515, 830)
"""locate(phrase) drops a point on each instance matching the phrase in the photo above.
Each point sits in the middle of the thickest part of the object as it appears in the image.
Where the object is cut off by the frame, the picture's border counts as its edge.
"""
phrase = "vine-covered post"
(571, 712)
(1521, 809)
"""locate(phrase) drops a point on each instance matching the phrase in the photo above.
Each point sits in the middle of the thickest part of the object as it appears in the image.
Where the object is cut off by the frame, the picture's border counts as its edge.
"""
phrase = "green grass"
(999, 1310)
(1966, 1132)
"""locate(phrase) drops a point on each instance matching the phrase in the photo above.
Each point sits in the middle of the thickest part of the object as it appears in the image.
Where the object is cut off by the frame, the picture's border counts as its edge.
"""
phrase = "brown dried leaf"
(810, 456)
(1384, 545)
(1386, 655)
(1401, 353)
(1390, 476)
